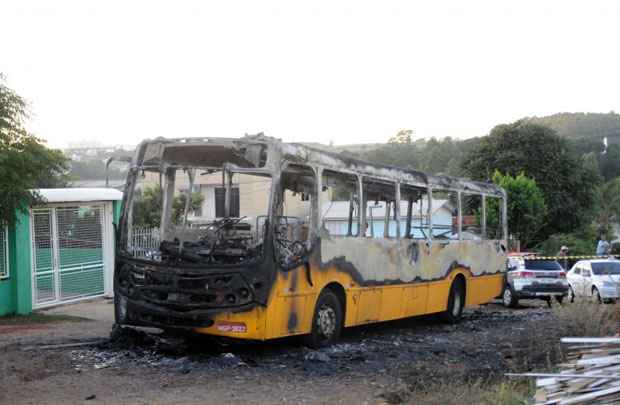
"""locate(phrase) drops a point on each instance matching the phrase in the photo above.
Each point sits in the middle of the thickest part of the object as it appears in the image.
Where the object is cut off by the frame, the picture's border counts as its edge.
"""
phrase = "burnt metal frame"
(319, 160)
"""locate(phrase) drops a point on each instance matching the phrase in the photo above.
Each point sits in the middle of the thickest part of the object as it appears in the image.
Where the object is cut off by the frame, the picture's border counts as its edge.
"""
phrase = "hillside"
(592, 126)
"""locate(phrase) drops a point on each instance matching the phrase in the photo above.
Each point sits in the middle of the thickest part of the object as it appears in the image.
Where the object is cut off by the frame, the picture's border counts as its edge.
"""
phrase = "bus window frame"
(315, 215)
(319, 183)
(459, 230)
(464, 194)
(503, 216)
(409, 215)
(388, 206)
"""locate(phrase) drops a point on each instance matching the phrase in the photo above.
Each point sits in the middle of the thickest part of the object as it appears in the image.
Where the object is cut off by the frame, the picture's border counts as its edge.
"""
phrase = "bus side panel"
(293, 298)
(415, 298)
(482, 289)
(291, 304)
(423, 275)
(375, 261)
(291, 315)
(369, 308)
(392, 304)
(438, 296)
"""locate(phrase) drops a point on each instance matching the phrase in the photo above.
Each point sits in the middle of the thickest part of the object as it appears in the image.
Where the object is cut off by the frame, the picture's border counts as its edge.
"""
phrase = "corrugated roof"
(53, 195)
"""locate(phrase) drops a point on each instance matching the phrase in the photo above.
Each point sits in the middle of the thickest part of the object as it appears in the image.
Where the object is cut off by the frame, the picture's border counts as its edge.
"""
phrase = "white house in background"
(335, 216)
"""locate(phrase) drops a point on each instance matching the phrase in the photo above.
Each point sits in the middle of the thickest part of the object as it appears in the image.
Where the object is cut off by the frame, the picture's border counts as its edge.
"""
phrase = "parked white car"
(597, 279)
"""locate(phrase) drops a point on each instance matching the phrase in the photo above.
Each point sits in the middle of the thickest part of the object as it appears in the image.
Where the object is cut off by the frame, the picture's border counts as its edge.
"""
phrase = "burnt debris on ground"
(488, 342)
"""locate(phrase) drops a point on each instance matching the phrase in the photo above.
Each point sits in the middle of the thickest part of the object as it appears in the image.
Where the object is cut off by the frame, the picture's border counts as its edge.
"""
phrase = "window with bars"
(4, 253)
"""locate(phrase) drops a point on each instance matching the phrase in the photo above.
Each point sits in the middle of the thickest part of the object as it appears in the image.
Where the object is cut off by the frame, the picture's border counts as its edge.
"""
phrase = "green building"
(59, 252)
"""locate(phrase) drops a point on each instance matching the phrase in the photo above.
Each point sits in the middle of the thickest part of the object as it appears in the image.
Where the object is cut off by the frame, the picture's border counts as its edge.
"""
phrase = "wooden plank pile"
(590, 375)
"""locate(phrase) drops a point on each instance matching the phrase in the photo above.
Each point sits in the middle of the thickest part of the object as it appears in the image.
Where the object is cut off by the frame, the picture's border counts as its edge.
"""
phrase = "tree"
(526, 207)
(25, 162)
(608, 206)
(566, 181)
(608, 159)
(147, 206)
(432, 156)
(402, 137)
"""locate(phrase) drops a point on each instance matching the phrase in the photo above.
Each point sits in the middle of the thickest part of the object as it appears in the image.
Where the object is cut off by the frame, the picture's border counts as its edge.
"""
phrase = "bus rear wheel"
(456, 302)
(327, 321)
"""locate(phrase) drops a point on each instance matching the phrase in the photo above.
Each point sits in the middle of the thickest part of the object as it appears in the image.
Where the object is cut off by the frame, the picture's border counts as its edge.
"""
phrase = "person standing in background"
(563, 253)
(602, 248)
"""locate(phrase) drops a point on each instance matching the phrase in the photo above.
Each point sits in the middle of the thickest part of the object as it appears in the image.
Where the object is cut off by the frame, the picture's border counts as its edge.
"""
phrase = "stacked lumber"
(590, 375)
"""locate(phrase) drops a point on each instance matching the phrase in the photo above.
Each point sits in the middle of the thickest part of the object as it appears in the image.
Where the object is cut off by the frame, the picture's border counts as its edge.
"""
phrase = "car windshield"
(606, 268)
(542, 265)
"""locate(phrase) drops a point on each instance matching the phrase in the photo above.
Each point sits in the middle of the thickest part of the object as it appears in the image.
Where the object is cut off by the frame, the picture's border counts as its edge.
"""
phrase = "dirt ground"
(382, 363)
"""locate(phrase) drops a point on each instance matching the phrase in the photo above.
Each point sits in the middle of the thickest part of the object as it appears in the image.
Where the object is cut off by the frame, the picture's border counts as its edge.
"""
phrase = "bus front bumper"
(148, 296)
(140, 313)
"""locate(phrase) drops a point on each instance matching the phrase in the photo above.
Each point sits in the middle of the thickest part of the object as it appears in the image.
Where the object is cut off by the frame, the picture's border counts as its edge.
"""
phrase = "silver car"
(530, 277)
(597, 279)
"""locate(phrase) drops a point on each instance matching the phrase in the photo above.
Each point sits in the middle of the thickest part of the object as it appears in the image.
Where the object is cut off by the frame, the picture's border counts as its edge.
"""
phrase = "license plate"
(547, 280)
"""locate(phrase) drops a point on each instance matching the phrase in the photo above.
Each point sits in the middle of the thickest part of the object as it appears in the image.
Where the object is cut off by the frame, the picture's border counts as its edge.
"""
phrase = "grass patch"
(478, 392)
(37, 318)
(586, 318)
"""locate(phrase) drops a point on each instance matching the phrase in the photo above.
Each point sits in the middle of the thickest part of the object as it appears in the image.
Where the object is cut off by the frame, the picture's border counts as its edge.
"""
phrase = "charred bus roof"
(267, 153)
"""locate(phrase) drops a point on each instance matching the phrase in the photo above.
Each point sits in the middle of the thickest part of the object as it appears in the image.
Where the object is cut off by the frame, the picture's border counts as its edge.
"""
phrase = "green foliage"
(402, 137)
(567, 182)
(582, 242)
(147, 206)
(608, 206)
(178, 205)
(583, 125)
(526, 207)
(431, 156)
(566, 166)
(25, 162)
(608, 162)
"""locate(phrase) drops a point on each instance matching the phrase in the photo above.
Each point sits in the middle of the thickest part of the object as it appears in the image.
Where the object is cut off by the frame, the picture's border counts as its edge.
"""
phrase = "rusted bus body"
(273, 290)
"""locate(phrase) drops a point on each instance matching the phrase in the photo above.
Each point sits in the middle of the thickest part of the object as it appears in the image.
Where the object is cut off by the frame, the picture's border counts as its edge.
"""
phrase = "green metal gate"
(68, 253)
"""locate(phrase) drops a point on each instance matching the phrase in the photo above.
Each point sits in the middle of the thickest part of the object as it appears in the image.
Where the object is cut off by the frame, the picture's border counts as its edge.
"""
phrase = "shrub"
(585, 318)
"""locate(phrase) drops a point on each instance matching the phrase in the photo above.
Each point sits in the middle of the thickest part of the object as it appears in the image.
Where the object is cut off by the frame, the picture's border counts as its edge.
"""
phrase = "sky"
(116, 72)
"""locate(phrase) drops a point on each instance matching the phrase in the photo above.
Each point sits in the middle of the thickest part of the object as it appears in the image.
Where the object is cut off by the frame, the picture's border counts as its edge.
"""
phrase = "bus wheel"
(456, 302)
(326, 322)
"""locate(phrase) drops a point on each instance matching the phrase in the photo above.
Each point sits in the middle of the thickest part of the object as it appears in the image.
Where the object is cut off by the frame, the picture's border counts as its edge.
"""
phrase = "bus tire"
(456, 302)
(327, 321)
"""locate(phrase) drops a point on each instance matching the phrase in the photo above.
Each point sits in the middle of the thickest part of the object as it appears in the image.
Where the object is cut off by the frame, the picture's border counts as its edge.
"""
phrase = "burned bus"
(254, 238)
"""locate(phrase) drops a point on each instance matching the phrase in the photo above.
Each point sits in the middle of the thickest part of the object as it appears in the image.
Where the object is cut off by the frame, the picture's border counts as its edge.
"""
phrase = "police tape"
(568, 257)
